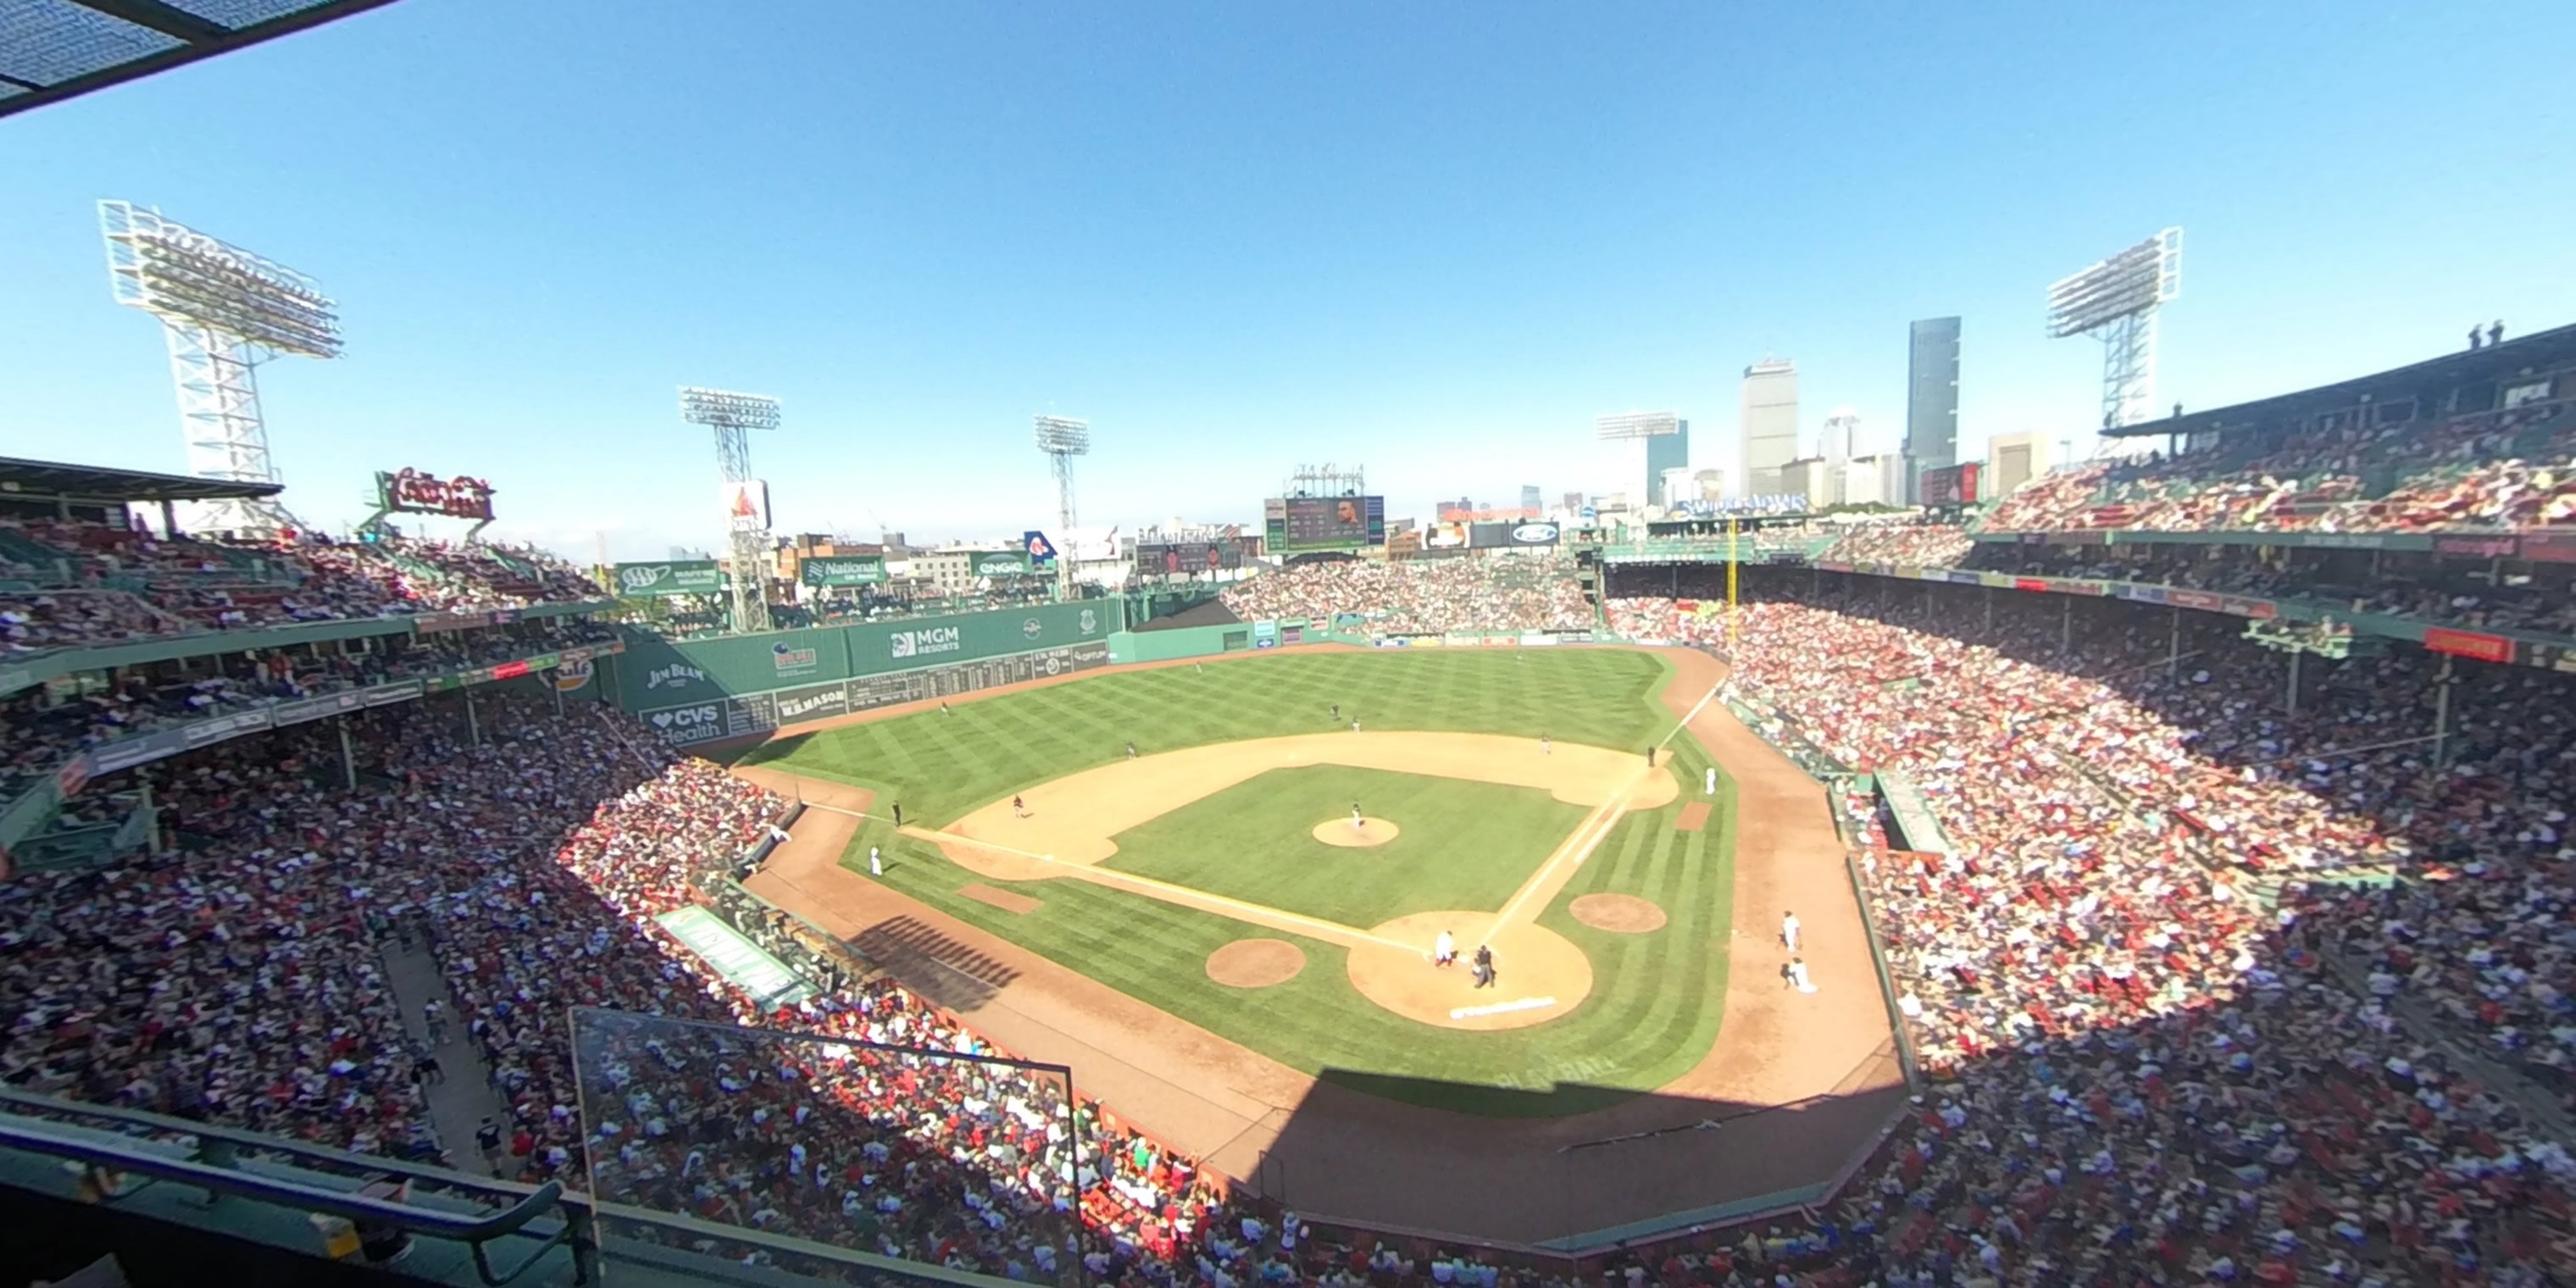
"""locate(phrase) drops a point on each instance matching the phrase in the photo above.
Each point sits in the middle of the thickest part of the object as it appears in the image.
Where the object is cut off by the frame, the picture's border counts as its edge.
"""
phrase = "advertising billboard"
(1001, 563)
(409, 491)
(1324, 522)
(1488, 536)
(1951, 485)
(1186, 558)
(669, 577)
(746, 505)
(842, 570)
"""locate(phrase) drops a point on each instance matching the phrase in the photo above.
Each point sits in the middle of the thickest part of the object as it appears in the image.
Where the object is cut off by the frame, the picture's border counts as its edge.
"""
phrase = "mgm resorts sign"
(925, 641)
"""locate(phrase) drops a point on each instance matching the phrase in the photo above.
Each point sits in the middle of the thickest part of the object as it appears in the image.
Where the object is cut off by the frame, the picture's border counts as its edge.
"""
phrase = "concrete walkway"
(459, 1104)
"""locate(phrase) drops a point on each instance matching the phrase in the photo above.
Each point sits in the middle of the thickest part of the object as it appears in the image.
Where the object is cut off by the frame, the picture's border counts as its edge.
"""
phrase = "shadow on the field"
(753, 751)
(1524, 1172)
(932, 964)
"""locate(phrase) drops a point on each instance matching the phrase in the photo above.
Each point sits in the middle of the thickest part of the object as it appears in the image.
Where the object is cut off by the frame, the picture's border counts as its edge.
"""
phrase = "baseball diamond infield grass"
(1655, 1003)
(1464, 845)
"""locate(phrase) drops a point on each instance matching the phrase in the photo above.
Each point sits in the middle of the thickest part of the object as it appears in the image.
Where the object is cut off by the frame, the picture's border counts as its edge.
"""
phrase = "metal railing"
(214, 1164)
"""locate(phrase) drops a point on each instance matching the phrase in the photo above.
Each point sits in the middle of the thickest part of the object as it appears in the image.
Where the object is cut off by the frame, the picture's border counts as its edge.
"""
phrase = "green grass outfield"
(1460, 844)
(1656, 998)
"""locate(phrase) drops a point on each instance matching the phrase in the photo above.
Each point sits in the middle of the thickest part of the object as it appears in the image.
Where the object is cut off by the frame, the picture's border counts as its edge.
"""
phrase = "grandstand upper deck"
(81, 567)
(2482, 440)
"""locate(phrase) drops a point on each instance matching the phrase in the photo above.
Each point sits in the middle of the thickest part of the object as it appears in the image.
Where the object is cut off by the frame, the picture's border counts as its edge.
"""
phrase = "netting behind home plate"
(902, 1152)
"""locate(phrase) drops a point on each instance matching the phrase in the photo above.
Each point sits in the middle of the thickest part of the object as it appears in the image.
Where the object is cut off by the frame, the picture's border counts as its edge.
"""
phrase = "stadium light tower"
(1062, 439)
(746, 499)
(223, 311)
(2116, 301)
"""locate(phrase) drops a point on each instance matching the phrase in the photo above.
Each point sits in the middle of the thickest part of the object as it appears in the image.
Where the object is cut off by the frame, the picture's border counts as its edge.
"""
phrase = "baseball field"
(1217, 872)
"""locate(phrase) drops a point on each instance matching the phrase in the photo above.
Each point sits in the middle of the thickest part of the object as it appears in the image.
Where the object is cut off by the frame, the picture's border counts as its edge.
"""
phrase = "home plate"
(1502, 1008)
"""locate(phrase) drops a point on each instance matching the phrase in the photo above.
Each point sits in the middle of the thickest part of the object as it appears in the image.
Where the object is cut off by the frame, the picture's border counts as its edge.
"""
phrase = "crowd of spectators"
(2118, 973)
(1514, 592)
(2142, 1064)
(41, 621)
(93, 583)
(2539, 598)
(239, 979)
(40, 728)
(2506, 469)
(1922, 545)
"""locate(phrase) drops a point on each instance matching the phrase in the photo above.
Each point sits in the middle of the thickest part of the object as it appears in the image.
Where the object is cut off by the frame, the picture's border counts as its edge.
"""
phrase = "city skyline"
(1266, 237)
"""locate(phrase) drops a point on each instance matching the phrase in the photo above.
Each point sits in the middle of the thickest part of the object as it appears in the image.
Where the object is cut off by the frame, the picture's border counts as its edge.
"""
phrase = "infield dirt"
(1825, 1058)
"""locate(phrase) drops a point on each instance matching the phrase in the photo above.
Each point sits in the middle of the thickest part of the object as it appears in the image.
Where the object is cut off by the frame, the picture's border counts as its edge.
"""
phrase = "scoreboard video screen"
(1298, 523)
(1187, 558)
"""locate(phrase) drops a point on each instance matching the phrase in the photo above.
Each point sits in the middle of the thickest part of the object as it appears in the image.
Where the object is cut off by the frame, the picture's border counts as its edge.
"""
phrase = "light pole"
(1062, 439)
(223, 311)
(746, 499)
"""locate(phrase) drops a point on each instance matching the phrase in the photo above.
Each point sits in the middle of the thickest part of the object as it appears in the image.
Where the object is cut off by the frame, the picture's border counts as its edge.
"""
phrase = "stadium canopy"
(97, 485)
(51, 50)
(2540, 351)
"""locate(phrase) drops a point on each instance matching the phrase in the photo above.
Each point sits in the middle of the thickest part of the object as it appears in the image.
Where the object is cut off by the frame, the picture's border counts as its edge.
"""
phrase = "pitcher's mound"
(1255, 963)
(1622, 914)
(1340, 832)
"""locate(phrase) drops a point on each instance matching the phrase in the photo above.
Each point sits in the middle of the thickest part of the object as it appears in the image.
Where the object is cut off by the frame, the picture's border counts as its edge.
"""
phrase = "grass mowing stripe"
(1654, 1008)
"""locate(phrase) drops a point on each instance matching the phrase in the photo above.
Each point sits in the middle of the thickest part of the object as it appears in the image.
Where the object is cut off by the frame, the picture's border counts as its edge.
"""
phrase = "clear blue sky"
(1434, 238)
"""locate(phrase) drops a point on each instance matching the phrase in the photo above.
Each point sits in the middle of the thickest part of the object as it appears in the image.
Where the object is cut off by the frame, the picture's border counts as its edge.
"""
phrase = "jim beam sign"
(410, 491)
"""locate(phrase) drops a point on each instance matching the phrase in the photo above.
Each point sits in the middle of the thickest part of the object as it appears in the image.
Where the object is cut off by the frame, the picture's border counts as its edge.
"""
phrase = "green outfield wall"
(656, 672)
(740, 686)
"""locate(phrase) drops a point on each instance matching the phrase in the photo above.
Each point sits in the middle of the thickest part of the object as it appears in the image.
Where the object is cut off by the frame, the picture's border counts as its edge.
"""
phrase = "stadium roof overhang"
(51, 50)
(2537, 352)
(95, 485)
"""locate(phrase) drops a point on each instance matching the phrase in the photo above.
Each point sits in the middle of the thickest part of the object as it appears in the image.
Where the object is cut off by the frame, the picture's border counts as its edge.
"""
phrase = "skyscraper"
(1931, 402)
(1529, 498)
(1665, 452)
(1770, 423)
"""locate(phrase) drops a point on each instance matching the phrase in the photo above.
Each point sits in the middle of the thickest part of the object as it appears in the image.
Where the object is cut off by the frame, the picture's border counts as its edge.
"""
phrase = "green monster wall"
(740, 686)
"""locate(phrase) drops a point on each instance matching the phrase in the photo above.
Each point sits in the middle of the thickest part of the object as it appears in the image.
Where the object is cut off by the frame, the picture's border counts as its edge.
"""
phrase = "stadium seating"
(2505, 469)
(74, 584)
(1422, 596)
(2171, 1038)
(2094, 971)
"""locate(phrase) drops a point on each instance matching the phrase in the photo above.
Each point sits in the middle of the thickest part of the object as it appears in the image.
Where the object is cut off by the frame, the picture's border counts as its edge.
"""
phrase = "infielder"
(1542, 746)
(876, 862)
(1789, 931)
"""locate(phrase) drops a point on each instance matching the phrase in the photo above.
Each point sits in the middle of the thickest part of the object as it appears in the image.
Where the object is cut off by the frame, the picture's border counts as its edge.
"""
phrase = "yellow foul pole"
(1730, 587)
